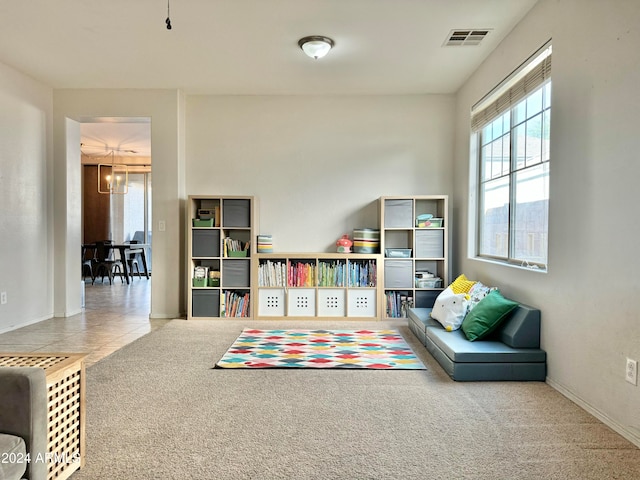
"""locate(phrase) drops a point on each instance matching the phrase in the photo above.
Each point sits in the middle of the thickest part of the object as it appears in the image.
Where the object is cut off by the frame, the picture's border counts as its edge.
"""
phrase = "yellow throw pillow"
(462, 284)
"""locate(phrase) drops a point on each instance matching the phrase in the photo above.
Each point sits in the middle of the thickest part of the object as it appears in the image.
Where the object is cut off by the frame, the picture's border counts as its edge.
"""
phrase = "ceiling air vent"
(462, 38)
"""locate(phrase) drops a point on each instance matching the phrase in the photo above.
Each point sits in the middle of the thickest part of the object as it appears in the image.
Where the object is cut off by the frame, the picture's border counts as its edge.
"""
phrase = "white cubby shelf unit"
(317, 285)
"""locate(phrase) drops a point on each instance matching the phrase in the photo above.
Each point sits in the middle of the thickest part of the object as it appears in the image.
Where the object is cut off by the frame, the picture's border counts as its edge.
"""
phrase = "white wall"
(26, 212)
(590, 297)
(318, 164)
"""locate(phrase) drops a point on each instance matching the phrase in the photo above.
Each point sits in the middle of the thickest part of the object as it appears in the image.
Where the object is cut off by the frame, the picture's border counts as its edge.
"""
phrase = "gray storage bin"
(205, 243)
(205, 303)
(236, 273)
(398, 274)
(236, 213)
(429, 244)
(426, 298)
(398, 214)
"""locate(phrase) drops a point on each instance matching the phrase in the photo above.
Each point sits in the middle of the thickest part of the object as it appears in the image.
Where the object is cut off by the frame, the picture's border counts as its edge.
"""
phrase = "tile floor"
(114, 315)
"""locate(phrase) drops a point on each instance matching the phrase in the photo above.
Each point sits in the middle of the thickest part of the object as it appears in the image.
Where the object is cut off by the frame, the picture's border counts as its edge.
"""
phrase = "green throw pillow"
(487, 315)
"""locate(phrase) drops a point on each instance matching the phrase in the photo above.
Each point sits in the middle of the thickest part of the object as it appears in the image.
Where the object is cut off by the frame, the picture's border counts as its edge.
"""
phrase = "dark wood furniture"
(124, 250)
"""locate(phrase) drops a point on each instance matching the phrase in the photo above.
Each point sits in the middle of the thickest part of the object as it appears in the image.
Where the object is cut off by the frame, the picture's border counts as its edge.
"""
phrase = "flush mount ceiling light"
(315, 46)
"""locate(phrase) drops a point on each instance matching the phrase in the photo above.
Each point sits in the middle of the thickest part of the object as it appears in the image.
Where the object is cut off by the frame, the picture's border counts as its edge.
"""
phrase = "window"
(510, 130)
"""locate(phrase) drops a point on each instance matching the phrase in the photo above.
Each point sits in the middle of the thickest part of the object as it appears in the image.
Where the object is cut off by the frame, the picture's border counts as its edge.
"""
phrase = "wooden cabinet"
(220, 246)
(414, 241)
(96, 208)
(312, 285)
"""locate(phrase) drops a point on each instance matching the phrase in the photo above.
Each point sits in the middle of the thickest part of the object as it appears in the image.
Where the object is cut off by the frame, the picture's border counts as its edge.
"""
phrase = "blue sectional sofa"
(512, 352)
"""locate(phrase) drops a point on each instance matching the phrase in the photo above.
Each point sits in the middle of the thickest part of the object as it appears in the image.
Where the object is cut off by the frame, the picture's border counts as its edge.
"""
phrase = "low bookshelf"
(317, 285)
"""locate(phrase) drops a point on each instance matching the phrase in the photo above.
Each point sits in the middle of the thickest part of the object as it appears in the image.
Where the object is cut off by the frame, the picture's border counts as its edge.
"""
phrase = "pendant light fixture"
(315, 46)
(113, 178)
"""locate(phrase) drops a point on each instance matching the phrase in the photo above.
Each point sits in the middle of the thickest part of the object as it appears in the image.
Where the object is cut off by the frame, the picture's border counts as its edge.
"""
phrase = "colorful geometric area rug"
(363, 349)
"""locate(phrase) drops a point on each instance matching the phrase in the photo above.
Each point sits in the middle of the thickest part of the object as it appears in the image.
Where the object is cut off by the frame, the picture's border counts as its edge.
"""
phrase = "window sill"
(530, 268)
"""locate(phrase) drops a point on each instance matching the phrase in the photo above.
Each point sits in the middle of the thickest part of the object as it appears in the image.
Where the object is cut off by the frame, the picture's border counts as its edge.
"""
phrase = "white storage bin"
(362, 303)
(271, 301)
(331, 302)
(301, 302)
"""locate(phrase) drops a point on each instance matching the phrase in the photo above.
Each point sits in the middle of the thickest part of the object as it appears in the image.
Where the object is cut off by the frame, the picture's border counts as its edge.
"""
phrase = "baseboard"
(26, 324)
(165, 316)
(626, 433)
(67, 314)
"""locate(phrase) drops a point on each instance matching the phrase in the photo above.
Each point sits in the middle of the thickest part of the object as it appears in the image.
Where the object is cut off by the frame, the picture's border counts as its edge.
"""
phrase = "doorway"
(122, 147)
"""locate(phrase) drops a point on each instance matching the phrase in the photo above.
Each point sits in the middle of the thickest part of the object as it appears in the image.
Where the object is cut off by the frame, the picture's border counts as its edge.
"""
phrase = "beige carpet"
(158, 410)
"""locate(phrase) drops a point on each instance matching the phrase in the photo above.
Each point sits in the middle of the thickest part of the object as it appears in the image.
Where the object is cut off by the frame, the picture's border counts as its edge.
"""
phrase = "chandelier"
(113, 178)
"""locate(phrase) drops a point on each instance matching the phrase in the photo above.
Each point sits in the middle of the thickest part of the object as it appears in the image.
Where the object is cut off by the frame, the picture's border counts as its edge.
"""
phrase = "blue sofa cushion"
(456, 346)
(423, 315)
(511, 353)
(499, 371)
(521, 329)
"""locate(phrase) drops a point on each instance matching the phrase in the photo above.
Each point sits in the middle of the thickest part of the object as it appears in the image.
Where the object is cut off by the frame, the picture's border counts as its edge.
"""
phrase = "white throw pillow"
(450, 308)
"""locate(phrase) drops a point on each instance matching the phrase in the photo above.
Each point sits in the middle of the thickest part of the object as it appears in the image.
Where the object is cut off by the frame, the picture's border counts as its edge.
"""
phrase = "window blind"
(522, 87)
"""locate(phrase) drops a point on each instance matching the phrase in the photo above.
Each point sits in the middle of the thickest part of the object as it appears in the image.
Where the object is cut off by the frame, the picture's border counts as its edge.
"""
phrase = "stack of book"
(366, 240)
(265, 244)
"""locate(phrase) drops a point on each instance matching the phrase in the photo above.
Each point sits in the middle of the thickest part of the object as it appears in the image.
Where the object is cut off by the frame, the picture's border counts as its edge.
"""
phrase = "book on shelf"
(272, 273)
(332, 273)
(301, 274)
(235, 304)
(233, 247)
(329, 273)
(200, 276)
(398, 304)
(363, 274)
(200, 272)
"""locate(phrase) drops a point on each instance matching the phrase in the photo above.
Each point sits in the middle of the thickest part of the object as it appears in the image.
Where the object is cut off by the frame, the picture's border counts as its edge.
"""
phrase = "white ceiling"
(238, 47)
(123, 136)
